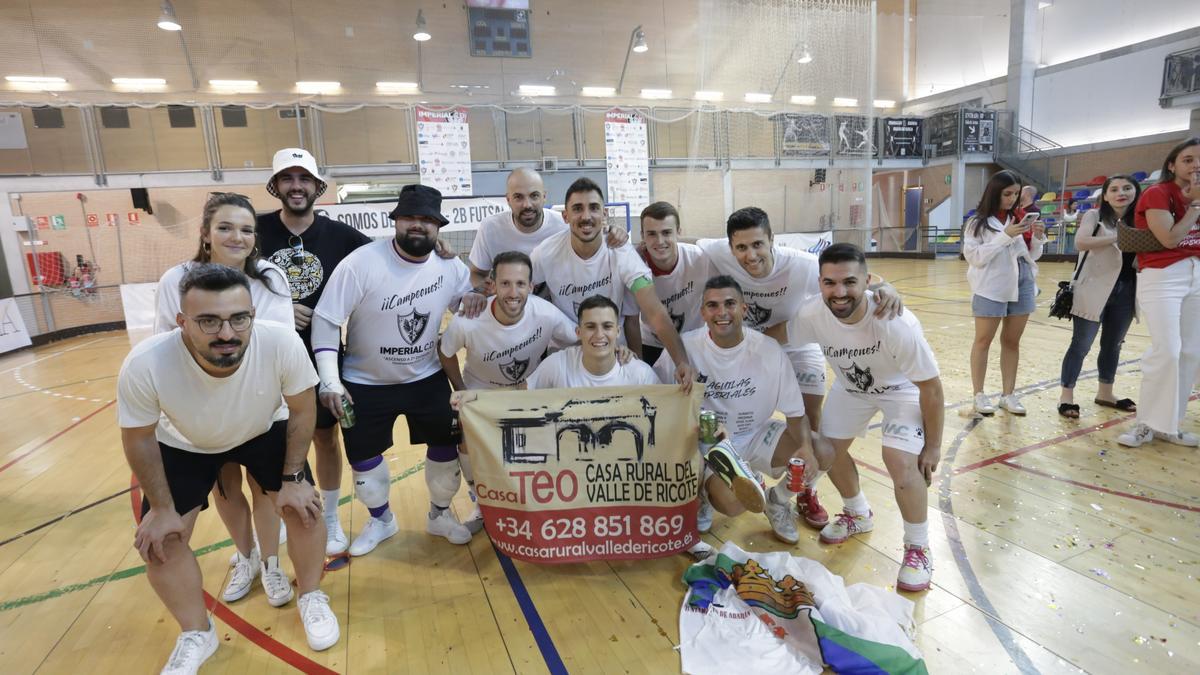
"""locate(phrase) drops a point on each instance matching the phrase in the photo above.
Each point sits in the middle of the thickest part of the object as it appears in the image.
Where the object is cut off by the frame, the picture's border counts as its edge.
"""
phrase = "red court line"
(249, 631)
(1100, 488)
(46, 442)
(1038, 446)
(872, 467)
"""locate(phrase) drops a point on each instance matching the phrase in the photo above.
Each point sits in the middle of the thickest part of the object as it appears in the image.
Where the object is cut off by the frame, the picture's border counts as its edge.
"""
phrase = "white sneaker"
(320, 623)
(916, 572)
(783, 523)
(474, 522)
(701, 551)
(1136, 436)
(1184, 438)
(704, 515)
(192, 649)
(446, 525)
(336, 542)
(241, 577)
(1012, 404)
(275, 582)
(983, 406)
(375, 531)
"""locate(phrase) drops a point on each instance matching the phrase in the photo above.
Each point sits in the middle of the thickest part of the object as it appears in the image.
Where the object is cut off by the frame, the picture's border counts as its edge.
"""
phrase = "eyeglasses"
(211, 325)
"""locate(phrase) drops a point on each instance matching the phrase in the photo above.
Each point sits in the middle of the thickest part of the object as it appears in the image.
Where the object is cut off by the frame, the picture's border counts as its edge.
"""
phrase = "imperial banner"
(572, 475)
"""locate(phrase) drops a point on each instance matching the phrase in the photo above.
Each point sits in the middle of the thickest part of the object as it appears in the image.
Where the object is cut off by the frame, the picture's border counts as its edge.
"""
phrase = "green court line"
(141, 569)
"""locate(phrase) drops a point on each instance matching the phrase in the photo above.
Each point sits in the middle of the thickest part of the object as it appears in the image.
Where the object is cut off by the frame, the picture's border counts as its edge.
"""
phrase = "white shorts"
(761, 449)
(846, 415)
(809, 364)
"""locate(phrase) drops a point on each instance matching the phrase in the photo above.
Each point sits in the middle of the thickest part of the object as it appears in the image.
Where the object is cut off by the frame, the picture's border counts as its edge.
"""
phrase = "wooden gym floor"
(1055, 549)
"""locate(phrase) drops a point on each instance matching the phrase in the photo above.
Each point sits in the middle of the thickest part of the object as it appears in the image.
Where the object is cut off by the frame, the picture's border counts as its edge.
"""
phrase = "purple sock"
(367, 464)
(441, 453)
(378, 510)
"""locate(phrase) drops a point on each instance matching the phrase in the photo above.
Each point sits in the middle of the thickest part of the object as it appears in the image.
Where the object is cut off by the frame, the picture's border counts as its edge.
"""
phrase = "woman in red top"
(1168, 295)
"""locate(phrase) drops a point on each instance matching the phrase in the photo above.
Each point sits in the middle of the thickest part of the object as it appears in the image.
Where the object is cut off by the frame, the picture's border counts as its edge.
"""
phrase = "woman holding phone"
(1168, 295)
(1001, 273)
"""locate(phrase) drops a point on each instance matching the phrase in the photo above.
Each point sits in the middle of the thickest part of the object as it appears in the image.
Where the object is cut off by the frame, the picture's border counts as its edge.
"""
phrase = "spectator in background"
(1168, 295)
(1070, 213)
(1001, 274)
(1104, 295)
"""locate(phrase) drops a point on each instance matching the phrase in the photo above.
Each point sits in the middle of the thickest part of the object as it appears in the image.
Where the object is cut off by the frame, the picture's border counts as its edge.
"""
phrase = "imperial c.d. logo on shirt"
(514, 370)
(412, 325)
(757, 315)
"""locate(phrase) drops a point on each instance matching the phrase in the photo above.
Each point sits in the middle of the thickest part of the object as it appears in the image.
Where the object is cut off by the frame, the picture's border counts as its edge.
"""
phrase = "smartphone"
(1028, 221)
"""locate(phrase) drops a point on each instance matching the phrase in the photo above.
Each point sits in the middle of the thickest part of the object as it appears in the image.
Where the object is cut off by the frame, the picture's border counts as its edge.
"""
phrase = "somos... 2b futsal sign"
(572, 475)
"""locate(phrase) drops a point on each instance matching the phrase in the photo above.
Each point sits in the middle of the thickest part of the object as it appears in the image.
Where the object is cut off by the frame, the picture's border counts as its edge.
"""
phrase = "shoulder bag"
(1064, 299)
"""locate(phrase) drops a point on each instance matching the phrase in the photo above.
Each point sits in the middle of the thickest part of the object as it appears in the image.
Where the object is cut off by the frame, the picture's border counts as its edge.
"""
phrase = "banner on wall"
(12, 329)
(372, 219)
(572, 475)
(803, 134)
(902, 137)
(628, 158)
(855, 136)
(978, 130)
(444, 150)
(943, 133)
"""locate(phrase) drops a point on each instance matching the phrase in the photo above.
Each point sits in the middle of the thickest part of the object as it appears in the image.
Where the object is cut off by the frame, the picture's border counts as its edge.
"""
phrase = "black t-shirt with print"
(308, 266)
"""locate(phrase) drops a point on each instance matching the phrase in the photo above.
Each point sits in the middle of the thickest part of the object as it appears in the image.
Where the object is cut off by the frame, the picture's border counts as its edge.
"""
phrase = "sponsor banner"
(573, 475)
(813, 242)
(371, 218)
(627, 158)
(902, 137)
(444, 150)
(855, 135)
(14, 336)
(803, 134)
(978, 130)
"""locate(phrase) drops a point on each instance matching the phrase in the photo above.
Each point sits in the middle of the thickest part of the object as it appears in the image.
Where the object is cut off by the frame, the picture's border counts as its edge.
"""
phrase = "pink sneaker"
(916, 571)
(846, 525)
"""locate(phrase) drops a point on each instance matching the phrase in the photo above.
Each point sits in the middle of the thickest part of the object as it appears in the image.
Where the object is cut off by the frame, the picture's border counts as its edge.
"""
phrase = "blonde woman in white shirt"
(1001, 274)
(228, 236)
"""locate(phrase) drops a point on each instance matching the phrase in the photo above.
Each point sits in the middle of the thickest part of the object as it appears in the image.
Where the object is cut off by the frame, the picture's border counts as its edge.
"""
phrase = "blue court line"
(549, 652)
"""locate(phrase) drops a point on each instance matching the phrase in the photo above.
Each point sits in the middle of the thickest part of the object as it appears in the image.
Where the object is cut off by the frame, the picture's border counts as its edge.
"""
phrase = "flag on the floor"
(773, 612)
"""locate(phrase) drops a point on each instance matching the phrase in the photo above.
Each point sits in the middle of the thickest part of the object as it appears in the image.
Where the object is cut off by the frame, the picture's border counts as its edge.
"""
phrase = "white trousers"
(1169, 300)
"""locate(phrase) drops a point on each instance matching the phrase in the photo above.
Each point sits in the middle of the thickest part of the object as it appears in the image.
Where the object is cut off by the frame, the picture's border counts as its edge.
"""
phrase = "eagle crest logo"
(412, 325)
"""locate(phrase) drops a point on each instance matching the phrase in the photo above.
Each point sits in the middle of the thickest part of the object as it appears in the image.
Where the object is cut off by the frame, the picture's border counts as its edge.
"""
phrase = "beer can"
(708, 427)
(347, 419)
(796, 475)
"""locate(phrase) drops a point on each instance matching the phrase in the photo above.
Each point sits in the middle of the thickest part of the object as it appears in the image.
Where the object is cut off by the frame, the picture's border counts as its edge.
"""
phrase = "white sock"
(780, 493)
(856, 505)
(812, 483)
(916, 534)
(329, 502)
(464, 463)
(442, 479)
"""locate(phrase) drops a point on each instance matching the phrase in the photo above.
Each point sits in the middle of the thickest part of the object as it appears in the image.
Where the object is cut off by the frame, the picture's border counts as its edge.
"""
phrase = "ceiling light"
(754, 97)
(35, 79)
(805, 56)
(167, 19)
(139, 81)
(233, 85)
(1043, 4)
(536, 90)
(884, 103)
(800, 99)
(656, 93)
(840, 102)
(639, 41)
(708, 96)
(598, 91)
(421, 35)
(398, 87)
(318, 87)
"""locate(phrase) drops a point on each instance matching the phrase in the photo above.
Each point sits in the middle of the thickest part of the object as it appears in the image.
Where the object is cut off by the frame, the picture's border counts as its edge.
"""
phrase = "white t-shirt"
(161, 382)
(565, 369)
(395, 309)
(270, 304)
(499, 356)
(571, 279)
(776, 297)
(875, 356)
(744, 384)
(680, 292)
(497, 234)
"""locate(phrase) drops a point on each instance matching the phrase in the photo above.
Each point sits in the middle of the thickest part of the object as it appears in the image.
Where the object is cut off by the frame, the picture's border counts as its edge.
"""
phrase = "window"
(114, 118)
(233, 116)
(48, 118)
(181, 116)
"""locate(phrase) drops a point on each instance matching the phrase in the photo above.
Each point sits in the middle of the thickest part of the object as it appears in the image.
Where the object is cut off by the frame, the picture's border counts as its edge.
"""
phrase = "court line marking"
(46, 442)
(541, 636)
(1101, 488)
(50, 356)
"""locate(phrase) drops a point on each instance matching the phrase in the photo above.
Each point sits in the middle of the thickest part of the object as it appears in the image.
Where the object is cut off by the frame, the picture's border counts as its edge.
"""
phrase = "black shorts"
(425, 404)
(325, 419)
(190, 475)
(650, 354)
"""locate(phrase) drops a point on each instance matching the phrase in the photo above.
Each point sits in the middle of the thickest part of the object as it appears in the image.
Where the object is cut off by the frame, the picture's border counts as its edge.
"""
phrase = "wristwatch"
(297, 477)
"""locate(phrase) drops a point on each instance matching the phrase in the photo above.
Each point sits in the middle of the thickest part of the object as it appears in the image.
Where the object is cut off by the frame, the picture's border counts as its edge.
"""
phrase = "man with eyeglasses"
(307, 246)
(220, 389)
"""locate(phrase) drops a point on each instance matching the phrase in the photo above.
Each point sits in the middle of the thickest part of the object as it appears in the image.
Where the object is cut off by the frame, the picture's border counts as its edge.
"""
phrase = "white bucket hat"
(288, 158)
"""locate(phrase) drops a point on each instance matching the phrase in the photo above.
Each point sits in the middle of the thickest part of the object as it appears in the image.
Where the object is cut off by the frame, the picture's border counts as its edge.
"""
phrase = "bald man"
(521, 229)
